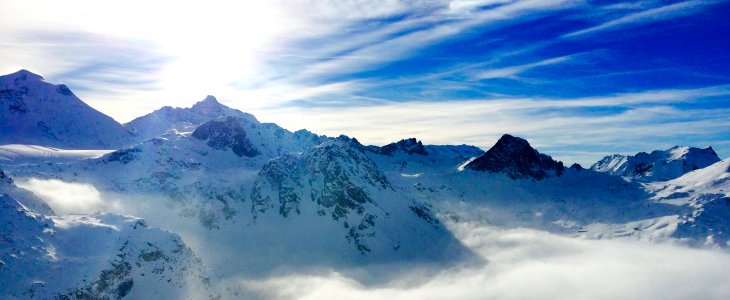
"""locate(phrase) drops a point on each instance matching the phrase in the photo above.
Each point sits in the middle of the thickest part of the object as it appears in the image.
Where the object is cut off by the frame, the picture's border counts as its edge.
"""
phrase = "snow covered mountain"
(659, 165)
(252, 198)
(510, 196)
(247, 179)
(36, 112)
(179, 119)
(706, 194)
(100, 256)
(338, 181)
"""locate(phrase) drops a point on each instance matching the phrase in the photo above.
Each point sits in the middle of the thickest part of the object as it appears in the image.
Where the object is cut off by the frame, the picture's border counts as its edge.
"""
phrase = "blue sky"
(579, 79)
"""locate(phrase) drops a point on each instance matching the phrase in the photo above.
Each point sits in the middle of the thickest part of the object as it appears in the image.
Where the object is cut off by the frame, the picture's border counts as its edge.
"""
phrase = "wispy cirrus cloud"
(657, 14)
(511, 72)
(410, 43)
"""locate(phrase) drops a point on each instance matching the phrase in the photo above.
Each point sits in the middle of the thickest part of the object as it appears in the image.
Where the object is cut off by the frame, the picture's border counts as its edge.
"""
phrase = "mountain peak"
(24, 75)
(209, 100)
(210, 103)
(182, 119)
(409, 146)
(515, 157)
(42, 113)
(19, 79)
(511, 142)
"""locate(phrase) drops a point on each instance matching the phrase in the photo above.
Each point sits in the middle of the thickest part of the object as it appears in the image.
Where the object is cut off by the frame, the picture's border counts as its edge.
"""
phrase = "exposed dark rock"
(5, 178)
(409, 146)
(14, 101)
(423, 211)
(64, 90)
(577, 167)
(226, 134)
(123, 156)
(515, 157)
(338, 177)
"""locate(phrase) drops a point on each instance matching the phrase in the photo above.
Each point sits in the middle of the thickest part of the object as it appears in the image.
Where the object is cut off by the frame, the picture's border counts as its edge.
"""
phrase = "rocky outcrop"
(338, 178)
(226, 134)
(408, 146)
(515, 157)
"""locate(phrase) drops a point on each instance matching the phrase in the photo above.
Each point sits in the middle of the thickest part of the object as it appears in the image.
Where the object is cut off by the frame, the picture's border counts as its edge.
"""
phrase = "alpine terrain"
(197, 198)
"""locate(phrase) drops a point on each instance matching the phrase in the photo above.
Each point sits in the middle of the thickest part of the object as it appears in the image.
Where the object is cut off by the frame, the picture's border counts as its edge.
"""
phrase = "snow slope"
(706, 192)
(36, 112)
(101, 256)
(659, 165)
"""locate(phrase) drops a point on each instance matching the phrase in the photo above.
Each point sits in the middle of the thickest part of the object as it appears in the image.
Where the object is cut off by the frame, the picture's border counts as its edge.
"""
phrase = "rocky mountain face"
(206, 174)
(226, 134)
(179, 119)
(659, 165)
(515, 157)
(337, 177)
(100, 256)
(33, 111)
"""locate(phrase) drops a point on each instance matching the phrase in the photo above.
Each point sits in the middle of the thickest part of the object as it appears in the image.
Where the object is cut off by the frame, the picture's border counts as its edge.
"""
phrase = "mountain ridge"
(234, 186)
(180, 119)
(29, 114)
(659, 165)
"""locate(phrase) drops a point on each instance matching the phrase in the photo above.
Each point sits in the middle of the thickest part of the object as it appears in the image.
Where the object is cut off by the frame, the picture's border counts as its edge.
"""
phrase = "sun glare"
(209, 44)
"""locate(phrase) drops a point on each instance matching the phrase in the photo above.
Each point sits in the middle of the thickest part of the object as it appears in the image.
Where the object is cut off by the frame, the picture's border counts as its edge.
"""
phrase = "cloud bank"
(66, 197)
(529, 264)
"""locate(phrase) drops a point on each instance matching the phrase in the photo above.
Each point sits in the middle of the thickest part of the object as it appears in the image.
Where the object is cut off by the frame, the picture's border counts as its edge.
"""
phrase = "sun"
(209, 44)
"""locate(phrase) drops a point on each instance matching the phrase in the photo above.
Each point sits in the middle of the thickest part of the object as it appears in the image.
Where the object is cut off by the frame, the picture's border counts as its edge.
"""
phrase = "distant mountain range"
(256, 197)
(658, 165)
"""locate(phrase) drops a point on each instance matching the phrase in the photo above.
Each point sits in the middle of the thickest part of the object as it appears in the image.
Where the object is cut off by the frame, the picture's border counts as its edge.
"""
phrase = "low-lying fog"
(517, 263)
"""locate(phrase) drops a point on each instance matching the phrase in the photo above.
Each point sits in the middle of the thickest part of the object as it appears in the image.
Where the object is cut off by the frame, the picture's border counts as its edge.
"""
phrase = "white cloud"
(511, 72)
(650, 15)
(65, 197)
(529, 264)
(405, 45)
